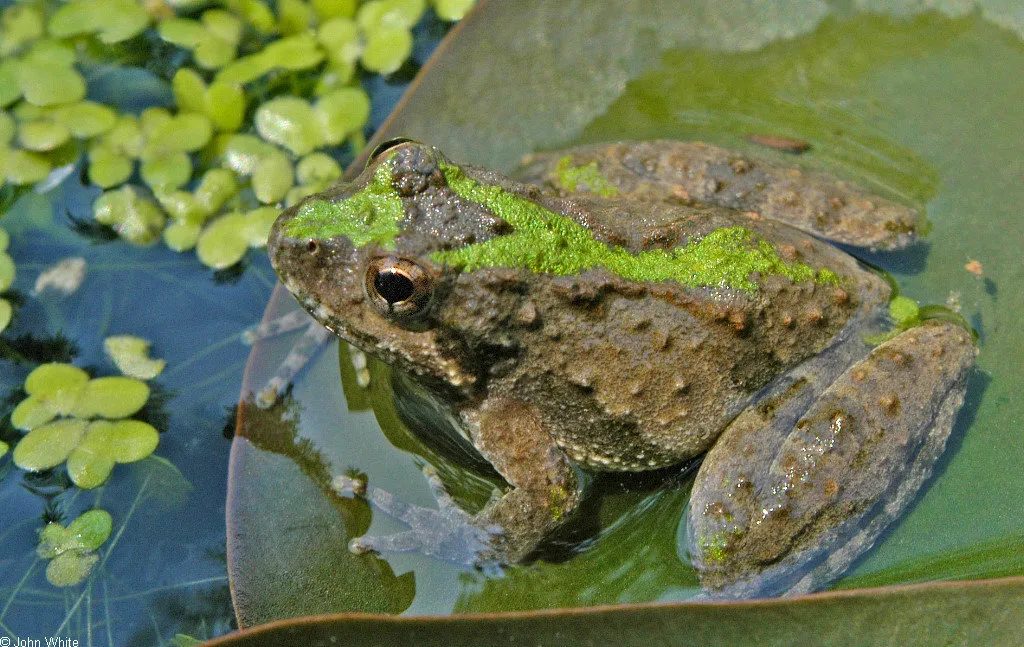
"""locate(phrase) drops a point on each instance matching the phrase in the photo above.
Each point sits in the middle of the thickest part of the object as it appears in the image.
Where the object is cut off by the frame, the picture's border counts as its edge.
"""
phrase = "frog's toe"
(785, 511)
(447, 533)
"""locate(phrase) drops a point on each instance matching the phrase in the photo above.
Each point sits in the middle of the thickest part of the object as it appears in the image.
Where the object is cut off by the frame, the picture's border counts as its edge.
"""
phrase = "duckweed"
(19, 26)
(134, 217)
(223, 103)
(91, 436)
(256, 226)
(213, 41)
(42, 135)
(72, 550)
(131, 356)
(7, 270)
(166, 172)
(42, 44)
(107, 168)
(222, 244)
(291, 123)
(49, 445)
(111, 397)
(6, 314)
(111, 20)
(386, 49)
(64, 276)
(182, 235)
(4, 448)
(105, 444)
(272, 177)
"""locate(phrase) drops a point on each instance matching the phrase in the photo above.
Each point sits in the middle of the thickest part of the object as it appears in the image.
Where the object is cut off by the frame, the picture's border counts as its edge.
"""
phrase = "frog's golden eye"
(387, 145)
(398, 288)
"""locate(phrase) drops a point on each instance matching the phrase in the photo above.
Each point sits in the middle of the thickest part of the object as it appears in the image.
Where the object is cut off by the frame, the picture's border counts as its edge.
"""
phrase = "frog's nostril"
(394, 286)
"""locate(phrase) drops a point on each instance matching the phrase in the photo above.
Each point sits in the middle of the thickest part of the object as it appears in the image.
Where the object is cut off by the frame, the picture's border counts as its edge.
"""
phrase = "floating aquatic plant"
(300, 57)
(131, 356)
(7, 273)
(71, 550)
(73, 418)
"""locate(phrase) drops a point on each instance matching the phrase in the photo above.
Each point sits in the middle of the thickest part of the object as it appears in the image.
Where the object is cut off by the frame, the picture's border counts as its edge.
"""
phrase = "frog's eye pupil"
(394, 286)
(399, 289)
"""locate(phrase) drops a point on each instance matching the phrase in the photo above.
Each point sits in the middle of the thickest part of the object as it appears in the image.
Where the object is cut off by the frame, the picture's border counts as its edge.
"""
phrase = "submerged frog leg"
(698, 173)
(544, 493)
(302, 352)
(446, 533)
(781, 508)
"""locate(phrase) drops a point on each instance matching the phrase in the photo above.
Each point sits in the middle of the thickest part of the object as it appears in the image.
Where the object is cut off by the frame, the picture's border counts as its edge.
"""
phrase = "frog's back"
(635, 374)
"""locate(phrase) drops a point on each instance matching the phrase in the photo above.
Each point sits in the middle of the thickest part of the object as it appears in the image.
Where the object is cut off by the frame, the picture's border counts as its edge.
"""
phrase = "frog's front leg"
(786, 510)
(545, 491)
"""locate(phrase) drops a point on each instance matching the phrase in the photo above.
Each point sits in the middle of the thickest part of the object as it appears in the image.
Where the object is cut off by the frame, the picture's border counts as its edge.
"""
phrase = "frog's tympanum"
(627, 307)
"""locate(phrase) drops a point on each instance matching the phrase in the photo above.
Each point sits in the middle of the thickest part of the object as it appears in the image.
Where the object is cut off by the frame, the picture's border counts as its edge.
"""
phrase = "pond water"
(923, 107)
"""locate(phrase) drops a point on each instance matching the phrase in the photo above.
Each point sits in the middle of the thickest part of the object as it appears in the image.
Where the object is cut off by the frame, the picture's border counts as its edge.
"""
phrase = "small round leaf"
(125, 441)
(111, 397)
(49, 445)
(222, 243)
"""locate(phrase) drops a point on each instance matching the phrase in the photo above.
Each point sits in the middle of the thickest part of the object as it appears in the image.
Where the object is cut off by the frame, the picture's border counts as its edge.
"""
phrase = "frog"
(629, 307)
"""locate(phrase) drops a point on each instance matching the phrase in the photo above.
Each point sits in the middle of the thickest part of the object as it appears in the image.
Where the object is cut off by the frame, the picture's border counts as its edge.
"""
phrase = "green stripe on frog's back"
(544, 241)
(570, 178)
(371, 215)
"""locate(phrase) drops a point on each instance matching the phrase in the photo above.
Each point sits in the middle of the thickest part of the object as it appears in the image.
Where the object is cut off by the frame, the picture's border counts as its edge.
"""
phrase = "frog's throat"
(547, 242)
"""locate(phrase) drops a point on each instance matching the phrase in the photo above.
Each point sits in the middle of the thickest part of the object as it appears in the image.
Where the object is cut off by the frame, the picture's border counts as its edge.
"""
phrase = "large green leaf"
(968, 613)
(880, 96)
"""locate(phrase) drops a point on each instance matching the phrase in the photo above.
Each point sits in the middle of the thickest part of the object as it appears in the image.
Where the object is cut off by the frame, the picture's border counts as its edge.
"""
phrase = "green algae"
(570, 178)
(544, 241)
(370, 215)
(547, 242)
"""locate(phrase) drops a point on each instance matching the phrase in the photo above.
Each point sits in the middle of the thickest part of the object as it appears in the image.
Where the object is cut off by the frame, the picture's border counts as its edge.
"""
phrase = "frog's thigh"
(701, 173)
(785, 511)
(510, 434)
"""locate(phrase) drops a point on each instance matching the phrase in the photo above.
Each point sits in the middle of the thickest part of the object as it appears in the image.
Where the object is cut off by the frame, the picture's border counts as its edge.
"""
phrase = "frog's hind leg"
(699, 173)
(790, 495)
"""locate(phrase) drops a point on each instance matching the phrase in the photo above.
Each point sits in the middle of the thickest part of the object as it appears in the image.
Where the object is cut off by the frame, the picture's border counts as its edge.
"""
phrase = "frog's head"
(361, 257)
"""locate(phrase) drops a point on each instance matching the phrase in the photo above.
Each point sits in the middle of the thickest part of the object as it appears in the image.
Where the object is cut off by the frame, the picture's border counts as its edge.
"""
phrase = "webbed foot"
(448, 533)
